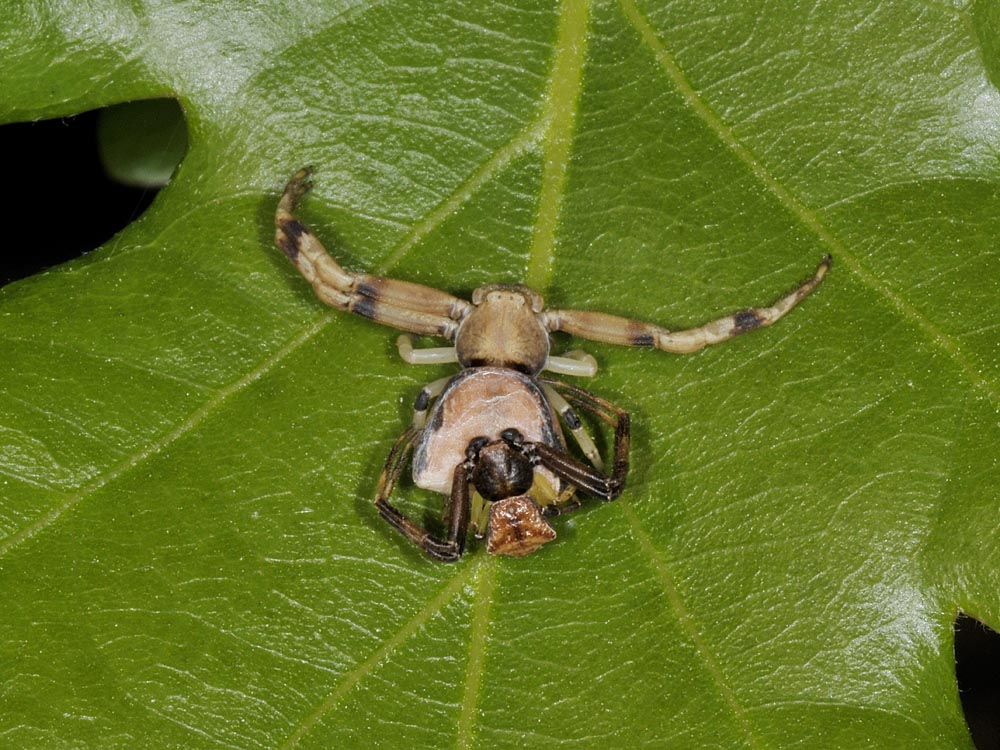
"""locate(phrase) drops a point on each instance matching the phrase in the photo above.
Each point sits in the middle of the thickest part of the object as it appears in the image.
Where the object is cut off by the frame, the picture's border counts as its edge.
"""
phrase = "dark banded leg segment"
(576, 427)
(586, 478)
(612, 329)
(400, 304)
(447, 550)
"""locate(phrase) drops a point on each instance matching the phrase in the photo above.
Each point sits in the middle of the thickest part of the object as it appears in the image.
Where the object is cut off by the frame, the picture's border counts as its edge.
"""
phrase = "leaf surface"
(189, 441)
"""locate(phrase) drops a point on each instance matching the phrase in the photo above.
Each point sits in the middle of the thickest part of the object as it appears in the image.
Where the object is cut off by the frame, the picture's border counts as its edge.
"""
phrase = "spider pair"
(489, 437)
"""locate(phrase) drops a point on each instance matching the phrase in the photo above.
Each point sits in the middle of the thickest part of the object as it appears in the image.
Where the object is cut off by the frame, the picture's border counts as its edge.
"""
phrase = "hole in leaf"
(75, 182)
(977, 668)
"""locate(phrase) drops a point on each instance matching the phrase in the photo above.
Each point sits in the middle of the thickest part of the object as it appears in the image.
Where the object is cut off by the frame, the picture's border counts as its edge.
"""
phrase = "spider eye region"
(502, 472)
(503, 330)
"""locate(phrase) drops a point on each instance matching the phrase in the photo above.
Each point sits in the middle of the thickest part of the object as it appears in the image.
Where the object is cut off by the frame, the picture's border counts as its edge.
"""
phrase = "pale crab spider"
(489, 437)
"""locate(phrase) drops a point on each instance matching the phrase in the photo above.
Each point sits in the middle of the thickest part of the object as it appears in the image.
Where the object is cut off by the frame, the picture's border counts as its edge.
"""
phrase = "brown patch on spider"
(369, 290)
(366, 307)
(516, 527)
(290, 232)
(746, 320)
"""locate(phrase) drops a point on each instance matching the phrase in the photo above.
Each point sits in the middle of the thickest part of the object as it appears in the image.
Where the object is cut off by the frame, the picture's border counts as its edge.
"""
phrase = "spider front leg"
(576, 473)
(449, 550)
(612, 329)
(400, 304)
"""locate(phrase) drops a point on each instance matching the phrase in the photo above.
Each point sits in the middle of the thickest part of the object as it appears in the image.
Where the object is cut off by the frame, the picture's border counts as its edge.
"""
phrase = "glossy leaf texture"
(189, 441)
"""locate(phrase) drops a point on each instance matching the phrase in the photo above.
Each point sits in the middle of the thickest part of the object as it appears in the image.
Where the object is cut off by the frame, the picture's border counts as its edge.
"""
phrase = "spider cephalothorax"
(489, 437)
(503, 329)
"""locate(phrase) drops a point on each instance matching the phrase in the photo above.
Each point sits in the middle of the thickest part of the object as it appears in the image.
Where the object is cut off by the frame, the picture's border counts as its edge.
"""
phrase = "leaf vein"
(498, 161)
(687, 623)
(559, 118)
(486, 587)
(369, 665)
(157, 446)
(806, 215)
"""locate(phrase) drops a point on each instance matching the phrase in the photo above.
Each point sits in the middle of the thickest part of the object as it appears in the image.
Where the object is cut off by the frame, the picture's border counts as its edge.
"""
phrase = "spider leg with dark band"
(488, 438)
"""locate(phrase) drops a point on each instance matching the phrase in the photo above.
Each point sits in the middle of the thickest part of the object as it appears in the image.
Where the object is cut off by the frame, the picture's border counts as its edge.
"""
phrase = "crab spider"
(489, 437)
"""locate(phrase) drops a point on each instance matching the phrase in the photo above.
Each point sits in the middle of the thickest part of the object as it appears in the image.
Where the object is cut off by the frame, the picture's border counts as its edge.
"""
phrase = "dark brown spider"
(492, 441)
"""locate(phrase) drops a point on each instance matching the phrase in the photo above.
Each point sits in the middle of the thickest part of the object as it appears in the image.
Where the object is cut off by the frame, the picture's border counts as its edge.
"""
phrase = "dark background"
(61, 203)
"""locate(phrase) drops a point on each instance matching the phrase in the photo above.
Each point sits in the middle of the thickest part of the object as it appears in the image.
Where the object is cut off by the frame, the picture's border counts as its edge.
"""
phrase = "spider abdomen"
(481, 402)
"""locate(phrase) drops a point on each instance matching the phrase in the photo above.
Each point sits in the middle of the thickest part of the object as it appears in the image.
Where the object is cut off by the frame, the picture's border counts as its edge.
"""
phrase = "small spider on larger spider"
(489, 437)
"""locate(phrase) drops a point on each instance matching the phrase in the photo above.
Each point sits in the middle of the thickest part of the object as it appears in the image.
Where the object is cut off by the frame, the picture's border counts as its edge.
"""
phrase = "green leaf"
(189, 441)
(141, 143)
